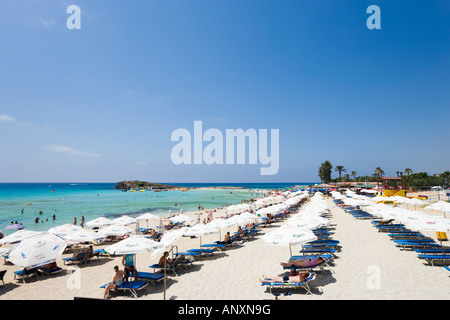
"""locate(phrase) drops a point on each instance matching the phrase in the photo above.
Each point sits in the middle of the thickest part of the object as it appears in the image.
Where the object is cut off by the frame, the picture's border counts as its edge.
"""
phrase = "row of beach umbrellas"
(38, 248)
(298, 229)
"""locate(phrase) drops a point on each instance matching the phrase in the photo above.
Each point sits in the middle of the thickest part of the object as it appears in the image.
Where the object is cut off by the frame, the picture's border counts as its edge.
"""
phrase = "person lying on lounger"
(291, 279)
(303, 262)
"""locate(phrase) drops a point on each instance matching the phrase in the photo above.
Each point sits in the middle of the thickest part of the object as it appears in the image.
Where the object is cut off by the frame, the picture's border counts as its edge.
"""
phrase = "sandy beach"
(369, 267)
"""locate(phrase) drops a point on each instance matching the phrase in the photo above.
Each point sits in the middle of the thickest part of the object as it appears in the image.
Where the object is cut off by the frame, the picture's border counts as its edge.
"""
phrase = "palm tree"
(408, 171)
(354, 174)
(347, 177)
(340, 169)
(378, 172)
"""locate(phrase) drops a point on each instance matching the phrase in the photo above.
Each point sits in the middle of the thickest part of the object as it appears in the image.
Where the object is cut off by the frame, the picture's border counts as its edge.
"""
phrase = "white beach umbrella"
(201, 230)
(221, 224)
(238, 220)
(37, 251)
(64, 230)
(169, 238)
(124, 220)
(439, 206)
(133, 245)
(19, 235)
(99, 222)
(288, 237)
(180, 218)
(248, 215)
(84, 236)
(4, 250)
(300, 223)
(116, 230)
(148, 216)
(432, 224)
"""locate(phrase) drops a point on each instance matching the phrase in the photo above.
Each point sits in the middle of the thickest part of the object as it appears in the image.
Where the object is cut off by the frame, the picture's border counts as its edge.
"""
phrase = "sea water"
(23, 202)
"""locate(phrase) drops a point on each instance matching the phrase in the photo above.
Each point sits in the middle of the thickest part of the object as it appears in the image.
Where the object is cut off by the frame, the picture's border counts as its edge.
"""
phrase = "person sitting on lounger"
(291, 279)
(128, 264)
(116, 282)
(240, 233)
(88, 254)
(226, 239)
(165, 260)
(303, 262)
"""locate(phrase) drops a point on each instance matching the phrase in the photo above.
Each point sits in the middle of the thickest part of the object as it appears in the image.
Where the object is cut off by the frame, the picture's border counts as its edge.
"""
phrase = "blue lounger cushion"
(435, 251)
(150, 276)
(214, 245)
(201, 250)
(310, 257)
(435, 256)
(129, 285)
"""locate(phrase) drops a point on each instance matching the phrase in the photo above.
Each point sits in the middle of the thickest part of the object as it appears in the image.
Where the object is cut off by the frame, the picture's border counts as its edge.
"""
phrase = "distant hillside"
(136, 184)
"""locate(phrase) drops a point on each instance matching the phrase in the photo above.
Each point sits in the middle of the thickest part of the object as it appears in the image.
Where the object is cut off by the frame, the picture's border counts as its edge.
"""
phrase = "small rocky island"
(136, 184)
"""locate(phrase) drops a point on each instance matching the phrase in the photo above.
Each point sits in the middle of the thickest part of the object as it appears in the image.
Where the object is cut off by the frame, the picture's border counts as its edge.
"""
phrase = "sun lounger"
(152, 278)
(131, 286)
(322, 243)
(432, 258)
(193, 254)
(433, 251)
(318, 250)
(328, 241)
(309, 257)
(319, 266)
(49, 271)
(218, 246)
(406, 235)
(79, 257)
(289, 285)
(415, 244)
(202, 251)
(25, 273)
(174, 266)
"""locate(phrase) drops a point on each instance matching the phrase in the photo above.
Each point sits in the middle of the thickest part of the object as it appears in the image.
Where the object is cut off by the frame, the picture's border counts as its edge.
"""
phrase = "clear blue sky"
(100, 103)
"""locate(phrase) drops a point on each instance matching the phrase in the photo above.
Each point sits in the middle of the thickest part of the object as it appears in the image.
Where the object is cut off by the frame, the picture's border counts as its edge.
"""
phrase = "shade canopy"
(19, 236)
(37, 251)
(133, 245)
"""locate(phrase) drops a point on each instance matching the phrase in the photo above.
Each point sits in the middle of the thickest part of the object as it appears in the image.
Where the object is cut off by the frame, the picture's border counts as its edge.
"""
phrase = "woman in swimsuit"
(117, 281)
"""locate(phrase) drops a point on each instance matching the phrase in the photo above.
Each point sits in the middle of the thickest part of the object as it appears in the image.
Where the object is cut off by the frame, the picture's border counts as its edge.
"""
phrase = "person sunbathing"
(291, 279)
(303, 262)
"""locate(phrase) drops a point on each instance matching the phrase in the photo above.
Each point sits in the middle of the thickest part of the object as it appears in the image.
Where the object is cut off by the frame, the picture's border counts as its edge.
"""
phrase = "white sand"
(369, 266)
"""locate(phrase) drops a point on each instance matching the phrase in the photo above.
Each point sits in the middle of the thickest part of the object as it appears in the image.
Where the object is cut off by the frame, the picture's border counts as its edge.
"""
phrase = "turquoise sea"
(92, 200)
